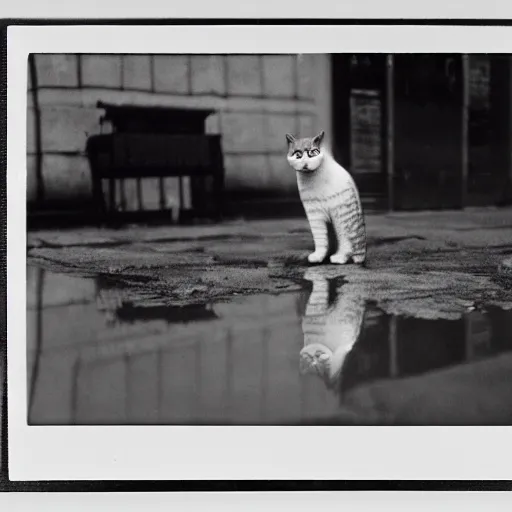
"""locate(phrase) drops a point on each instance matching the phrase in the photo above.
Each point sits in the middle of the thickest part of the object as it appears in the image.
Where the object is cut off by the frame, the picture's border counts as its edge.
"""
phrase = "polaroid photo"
(259, 252)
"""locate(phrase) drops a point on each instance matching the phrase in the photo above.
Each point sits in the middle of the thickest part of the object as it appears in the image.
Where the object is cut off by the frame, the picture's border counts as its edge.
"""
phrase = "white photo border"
(223, 453)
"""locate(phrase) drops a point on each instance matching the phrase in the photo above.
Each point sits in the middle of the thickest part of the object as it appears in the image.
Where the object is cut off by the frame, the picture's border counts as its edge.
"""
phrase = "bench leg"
(218, 184)
(181, 198)
(161, 190)
(98, 197)
(218, 192)
(111, 195)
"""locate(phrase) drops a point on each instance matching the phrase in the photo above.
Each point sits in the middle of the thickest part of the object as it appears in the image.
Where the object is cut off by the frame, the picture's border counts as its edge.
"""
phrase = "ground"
(424, 264)
(236, 360)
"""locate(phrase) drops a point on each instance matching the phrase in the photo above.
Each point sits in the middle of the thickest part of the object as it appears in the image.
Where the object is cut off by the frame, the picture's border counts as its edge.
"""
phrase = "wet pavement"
(228, 324)
(321, 350)
(428, 264)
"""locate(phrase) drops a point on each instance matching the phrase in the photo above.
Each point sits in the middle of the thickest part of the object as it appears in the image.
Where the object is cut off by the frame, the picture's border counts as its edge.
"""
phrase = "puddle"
(103, 354)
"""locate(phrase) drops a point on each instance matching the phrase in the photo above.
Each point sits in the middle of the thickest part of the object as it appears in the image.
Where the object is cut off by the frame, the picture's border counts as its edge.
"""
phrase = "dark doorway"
(359, 119)
(447, 118)
(489, 130)
(428, 144)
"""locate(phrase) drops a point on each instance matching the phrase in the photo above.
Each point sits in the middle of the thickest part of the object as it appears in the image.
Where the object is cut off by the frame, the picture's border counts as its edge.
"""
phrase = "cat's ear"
(290, 138)
(319, 138)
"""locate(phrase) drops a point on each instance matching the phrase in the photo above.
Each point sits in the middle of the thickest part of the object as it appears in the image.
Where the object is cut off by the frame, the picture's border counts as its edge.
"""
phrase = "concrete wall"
(257, 98)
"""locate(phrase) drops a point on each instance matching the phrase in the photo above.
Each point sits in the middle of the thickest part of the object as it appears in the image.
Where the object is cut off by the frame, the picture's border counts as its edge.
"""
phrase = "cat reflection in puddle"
(331, 325)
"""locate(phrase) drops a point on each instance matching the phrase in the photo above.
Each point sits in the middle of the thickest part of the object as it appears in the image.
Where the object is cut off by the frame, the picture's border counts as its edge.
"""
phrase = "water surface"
(98, 353)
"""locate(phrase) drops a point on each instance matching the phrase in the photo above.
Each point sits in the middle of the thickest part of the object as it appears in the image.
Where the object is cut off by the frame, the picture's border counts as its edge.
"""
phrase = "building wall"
(258, 98)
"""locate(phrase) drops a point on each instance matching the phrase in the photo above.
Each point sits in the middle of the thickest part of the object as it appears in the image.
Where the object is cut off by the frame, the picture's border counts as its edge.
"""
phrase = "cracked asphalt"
(424, 264)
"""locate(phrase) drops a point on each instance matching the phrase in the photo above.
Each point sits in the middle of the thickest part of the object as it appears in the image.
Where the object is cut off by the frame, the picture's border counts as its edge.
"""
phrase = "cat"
(331, 327)
(329, 196)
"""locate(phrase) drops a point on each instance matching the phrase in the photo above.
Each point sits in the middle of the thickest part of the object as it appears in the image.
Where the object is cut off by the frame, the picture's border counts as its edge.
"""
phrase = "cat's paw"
(317, 257)
(340, 258)
(359, 259)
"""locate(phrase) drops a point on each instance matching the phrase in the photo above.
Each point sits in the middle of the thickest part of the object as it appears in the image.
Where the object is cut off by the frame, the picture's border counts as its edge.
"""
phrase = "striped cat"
(331, 327)
(329, 196)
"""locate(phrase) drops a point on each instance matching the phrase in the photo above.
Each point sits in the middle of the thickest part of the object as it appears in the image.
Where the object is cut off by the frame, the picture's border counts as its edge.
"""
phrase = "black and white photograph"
(222, 236)
(218, 316)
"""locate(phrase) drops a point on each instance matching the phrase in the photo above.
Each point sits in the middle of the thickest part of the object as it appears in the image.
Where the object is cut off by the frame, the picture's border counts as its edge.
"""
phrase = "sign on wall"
(365, 122)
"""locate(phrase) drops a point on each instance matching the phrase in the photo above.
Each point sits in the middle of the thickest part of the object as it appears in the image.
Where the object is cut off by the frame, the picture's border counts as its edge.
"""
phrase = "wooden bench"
(158, 143)
(125, 155)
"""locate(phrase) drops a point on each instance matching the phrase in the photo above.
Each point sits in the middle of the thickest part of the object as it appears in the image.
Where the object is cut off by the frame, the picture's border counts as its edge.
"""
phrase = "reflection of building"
(398, 347)
(238, 366)
(349, 343)
(416, 130)
(127, 306)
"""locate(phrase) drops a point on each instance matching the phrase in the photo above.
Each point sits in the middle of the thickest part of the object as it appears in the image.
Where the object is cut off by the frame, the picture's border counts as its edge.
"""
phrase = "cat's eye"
(313, 152)
(297, 154)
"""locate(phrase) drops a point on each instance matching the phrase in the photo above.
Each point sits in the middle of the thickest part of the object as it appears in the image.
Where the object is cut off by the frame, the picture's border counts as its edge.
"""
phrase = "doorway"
(428, 143)
(359, 120)
(424, 131)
